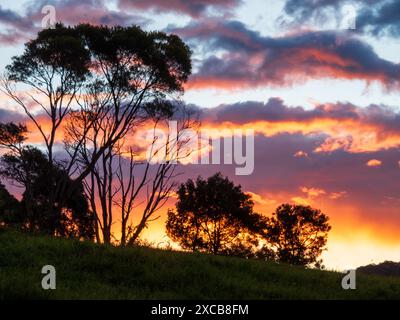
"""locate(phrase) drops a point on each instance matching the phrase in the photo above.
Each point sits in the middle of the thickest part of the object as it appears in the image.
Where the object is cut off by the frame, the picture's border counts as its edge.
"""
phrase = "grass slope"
(89, 271)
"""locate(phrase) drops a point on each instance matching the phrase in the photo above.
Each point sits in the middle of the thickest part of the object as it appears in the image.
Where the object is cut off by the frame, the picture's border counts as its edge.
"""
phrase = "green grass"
(89, 271)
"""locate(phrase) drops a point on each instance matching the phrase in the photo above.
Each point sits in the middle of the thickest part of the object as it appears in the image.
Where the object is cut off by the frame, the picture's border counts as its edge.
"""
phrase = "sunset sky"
(323, 100)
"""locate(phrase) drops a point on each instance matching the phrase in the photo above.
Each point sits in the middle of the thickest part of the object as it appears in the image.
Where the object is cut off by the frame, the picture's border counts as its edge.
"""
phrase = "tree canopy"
(65, 215)
(215, 216)
(96, 75)
(298, 234)
(97, 83)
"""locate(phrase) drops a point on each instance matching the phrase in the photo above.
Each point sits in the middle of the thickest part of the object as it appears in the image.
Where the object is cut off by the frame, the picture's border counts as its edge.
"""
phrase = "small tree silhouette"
(214, 216)
(298, 234)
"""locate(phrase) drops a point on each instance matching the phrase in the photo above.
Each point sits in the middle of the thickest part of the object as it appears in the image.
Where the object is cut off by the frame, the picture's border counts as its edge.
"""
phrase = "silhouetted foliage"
(12, 135)
(132, 73)
(10, 209)
(58, 50)
(118, 78)
(65, 216)
(102, 82)
(298, 234)
(214, 216)
(55, 66)
(386, 268)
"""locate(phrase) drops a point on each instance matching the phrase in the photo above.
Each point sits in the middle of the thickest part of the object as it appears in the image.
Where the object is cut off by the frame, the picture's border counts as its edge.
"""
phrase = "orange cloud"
(374, 163)
(351, 135)
(312, 192)
(261, 200)
(301, 154)
(337, 195)
(301, 200)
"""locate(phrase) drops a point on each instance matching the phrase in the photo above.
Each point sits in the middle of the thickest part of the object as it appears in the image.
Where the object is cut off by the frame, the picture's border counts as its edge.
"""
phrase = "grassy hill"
(89, 271)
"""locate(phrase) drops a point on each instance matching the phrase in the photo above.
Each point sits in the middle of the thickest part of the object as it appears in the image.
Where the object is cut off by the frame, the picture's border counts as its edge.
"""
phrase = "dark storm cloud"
(13, 19)
(377, 17)
(11, 116)
(274, 110)
(385, 20)
(193, 8)
(252, 60)
(24, 26)
(92, 11)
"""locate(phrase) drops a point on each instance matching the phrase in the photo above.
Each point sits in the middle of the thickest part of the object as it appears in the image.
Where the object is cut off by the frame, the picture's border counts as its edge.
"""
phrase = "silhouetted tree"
(297, 234)
(67, 216)
(10, 210)
(132, 72)
(54, 66)
(94, 76)
(215, 216)
(12, 137)
(126, 186)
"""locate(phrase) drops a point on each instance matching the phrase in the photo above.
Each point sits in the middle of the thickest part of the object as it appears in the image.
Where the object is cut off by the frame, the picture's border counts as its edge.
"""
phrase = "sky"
(317, 80)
